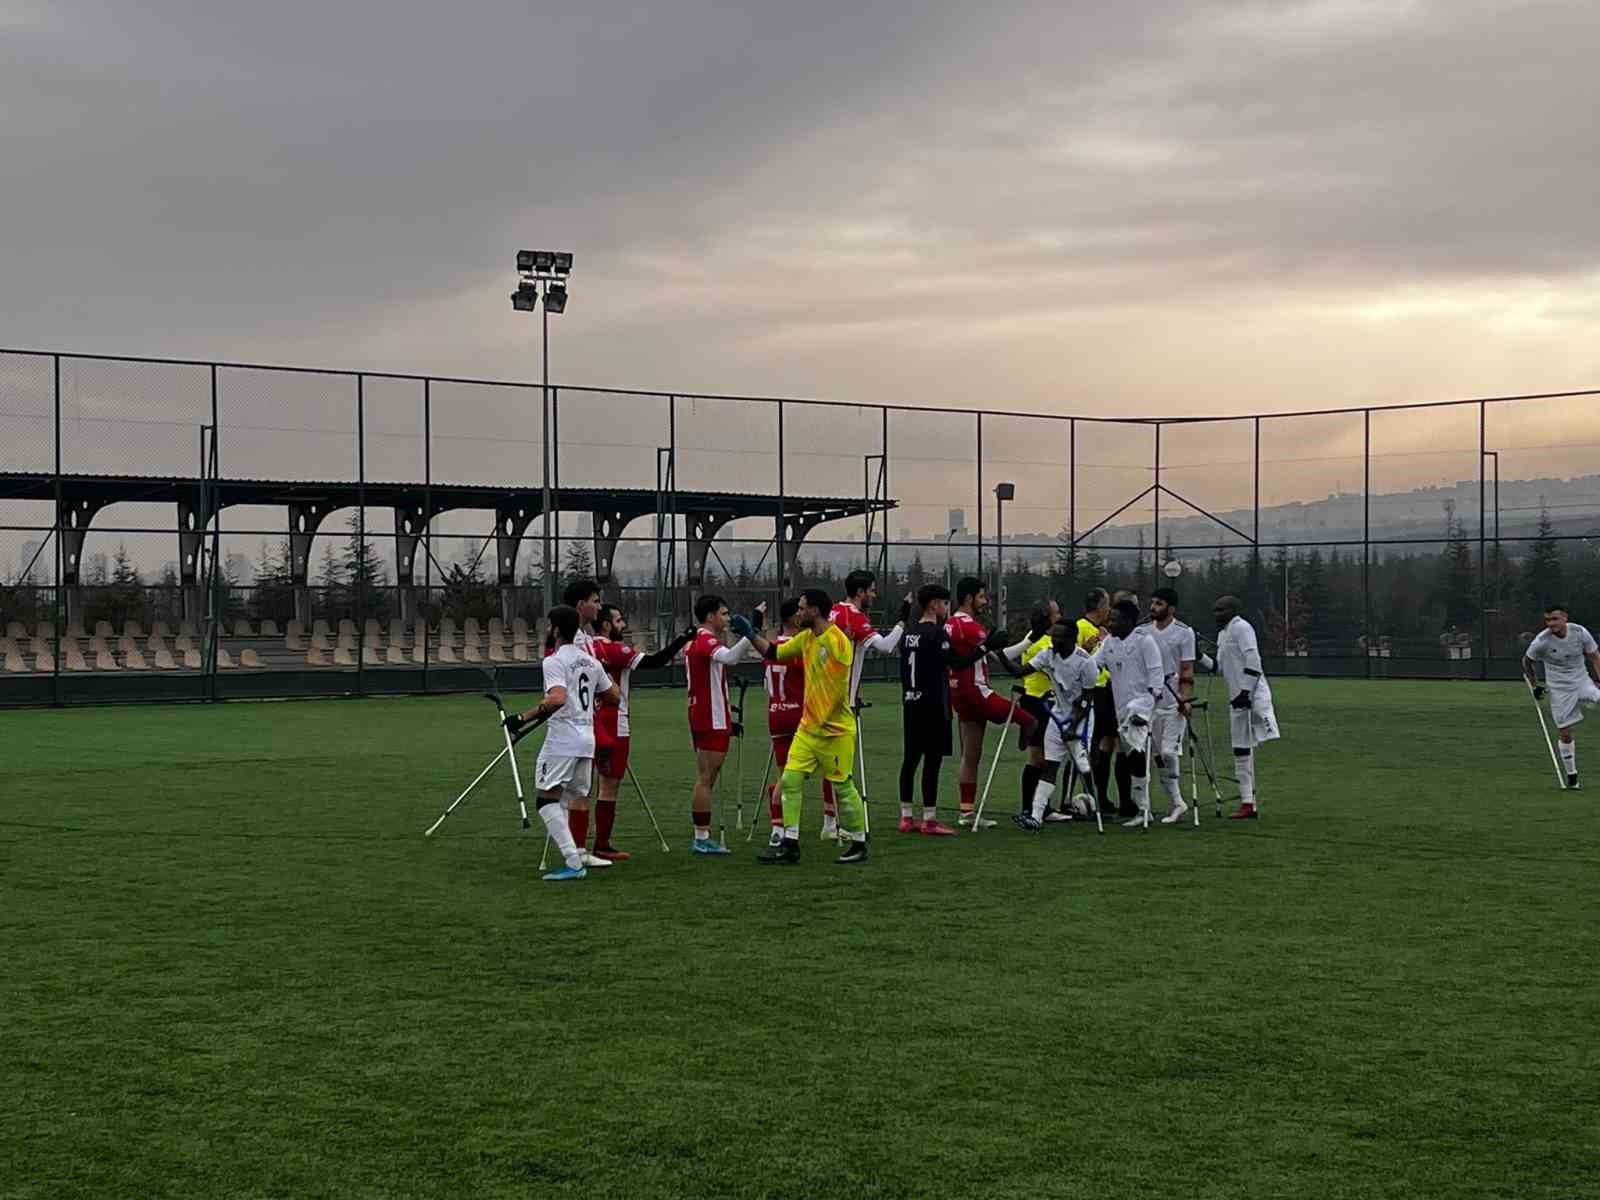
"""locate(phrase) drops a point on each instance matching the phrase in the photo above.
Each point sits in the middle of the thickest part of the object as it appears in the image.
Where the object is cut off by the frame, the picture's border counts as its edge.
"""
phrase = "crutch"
(494, 762)
(861, 766)
(1561, 778)
(977, 814)
(738, 717)
(646, 803)
(766, 773)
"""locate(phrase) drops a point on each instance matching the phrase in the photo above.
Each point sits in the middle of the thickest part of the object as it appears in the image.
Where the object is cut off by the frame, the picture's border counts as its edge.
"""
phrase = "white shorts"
(1256, 724)
(1057, 745)
(1566, 703)
(1167, 733)
(558, 773)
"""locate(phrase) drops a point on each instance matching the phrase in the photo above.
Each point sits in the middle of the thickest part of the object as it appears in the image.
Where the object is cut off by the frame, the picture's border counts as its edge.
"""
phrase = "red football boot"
(934, 829)
(909, 825)
(1245, 812)
(611, 855)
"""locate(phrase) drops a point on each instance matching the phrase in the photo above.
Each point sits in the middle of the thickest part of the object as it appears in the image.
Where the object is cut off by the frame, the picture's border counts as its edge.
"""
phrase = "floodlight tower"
(547, 270)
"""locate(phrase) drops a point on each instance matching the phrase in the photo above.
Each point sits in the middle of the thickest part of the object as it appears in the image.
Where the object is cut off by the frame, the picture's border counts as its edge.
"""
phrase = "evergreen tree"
(580, 564)
(1457, 576)
(1541, 573)
(366, 578)
(1141, 571)
(273, 596)
(1315, 595)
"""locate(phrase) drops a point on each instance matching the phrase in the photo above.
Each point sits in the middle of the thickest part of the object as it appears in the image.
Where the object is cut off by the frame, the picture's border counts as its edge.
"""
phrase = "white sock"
(1245, 769)
(702, 835)
(906, 812)
(1569, 756)
(792, 832)
(930, 814)
(1041, 797)
(829, 822)
(1172, 780)
(1141, 793)
(555, 820)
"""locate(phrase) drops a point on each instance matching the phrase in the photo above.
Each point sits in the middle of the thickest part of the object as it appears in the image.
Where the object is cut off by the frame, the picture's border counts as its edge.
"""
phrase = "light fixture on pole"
(1002, 493)
(950, 564)
(545, 270)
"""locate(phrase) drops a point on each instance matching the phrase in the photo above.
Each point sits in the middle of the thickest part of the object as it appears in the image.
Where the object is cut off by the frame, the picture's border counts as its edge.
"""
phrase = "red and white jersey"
(857, 626)
(966, 636)
(707, 660)
(786, 694)
(619, 659)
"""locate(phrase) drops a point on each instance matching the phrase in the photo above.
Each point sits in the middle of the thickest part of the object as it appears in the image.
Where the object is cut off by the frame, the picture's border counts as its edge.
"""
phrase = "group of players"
(1110, 694)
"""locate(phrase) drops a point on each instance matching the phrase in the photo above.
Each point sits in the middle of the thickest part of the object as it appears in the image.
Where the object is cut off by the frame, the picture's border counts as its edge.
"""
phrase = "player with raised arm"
(583, 597)
(573, 683)
(927, 658)
(1571, 668)
(1134, 663)
(826, 739)
(711, 724)
(1175, 640)
(1251, 718)
(1072, 674)
(1036, 694)
(850, 615)
(786, 696)
(612, 728)
(974, 702)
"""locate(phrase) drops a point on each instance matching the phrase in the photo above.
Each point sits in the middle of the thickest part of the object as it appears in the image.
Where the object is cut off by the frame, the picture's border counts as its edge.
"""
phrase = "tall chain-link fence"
(192, 530)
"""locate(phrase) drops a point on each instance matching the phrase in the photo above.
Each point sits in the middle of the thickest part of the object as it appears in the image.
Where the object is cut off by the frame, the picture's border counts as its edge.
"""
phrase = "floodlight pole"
(1002, 493)
(544, 437)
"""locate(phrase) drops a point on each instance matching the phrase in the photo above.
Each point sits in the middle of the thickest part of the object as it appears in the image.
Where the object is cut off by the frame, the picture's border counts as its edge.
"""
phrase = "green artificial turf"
(234, 967)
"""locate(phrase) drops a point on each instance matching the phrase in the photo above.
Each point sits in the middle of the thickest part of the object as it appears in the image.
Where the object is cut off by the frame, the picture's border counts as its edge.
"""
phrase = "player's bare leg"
(707, 768)
(971, 759)
(605, 815)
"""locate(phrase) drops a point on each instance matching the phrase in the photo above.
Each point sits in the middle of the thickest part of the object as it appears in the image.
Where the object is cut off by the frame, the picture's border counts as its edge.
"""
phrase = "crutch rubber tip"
(526, 824)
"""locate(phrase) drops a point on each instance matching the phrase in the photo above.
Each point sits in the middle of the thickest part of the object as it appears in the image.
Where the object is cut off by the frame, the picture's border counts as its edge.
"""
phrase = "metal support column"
(361, 535)
(1072, 500)
(1366, 537)
(213, 512)
(421, 610)
(1483, 531)
(1155, 551)
(980, 574)
(58, 616)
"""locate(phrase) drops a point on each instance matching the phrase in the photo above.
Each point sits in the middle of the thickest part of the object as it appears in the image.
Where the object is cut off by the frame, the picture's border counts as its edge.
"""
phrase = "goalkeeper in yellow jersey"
(826, 739)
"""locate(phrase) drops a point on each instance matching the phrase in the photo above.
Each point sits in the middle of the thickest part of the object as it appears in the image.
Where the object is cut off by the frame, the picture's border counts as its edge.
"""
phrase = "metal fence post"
(57, 614)
(361, 534)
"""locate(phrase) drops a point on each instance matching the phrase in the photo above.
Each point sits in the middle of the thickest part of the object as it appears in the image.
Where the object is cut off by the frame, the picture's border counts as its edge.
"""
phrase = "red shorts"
(611, 758)
(714, 740)
(780, 747)
(972, 705)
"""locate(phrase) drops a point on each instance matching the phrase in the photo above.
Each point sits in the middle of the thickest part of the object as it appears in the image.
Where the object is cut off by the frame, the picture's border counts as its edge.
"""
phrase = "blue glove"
(740, 624)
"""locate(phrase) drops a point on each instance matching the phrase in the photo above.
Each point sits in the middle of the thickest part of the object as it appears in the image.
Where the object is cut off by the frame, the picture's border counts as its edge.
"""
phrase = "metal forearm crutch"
(861, 765)
(977, 814)
(635, 780)
(766, 773)
(1561, 777)
(494, 762)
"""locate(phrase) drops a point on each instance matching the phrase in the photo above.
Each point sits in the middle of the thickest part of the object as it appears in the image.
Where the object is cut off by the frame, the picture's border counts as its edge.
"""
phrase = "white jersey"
(1563, 658)
(1071, 675)
(1176, 643)
(1237, 653)
(1135, 666)
(570, 732)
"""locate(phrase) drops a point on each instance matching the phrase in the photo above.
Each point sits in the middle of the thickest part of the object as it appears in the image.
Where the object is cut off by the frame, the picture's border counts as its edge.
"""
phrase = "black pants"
(927, 744)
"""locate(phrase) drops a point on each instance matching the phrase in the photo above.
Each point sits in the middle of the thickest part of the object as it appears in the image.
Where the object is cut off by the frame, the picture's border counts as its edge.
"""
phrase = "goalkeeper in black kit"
(926, 660)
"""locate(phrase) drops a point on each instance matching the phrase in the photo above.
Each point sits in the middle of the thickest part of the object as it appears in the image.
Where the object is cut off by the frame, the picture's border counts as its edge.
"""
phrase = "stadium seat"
(47, 631)
(132, 629)
(447, 631)
(183, 643)
(521, 653)
(471, 630)
(249, 658)
(126, 644)
(160, 630)
(419, 654)
(8, 644)
(319, 628)
(295, 636)
(44, 664)
(75, 659)
(132, 660)
(164, 660)
(497, 651)
(519, 629)
(186, 627)
(102, 629)
(224, 660)
(497, 629)
(103, 659)
(16, 630)
(44, 646)
(347, 629)
(242, 629)
(269, 628)
(344, 656)
(75, 630)
(316, 657)
(321, 641)
(14, 663)
(191, 659)
(447, 653)
(370, 656)
(99, 645)
(471, 652)
(155, 643)
(399, 635)
(372, 632)
(395, 657)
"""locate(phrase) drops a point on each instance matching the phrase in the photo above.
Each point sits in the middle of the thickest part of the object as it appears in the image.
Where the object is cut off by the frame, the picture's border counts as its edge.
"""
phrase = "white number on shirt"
(583, 692)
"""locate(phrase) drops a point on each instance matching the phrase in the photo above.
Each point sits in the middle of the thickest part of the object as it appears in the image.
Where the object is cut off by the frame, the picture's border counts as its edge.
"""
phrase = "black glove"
(1137, 721)
(1538, 691)
(514, 724)
(905, 612)
(1242, 700)
(996, 641)
(737, 729)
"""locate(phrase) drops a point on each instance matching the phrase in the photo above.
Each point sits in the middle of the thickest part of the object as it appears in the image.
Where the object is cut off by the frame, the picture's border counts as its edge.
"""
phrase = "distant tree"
(1457, 575)
(1542, 575)
(579, 563)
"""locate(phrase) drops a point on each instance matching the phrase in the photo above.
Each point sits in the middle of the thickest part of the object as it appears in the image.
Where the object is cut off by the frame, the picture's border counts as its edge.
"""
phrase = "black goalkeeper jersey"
(925, 668)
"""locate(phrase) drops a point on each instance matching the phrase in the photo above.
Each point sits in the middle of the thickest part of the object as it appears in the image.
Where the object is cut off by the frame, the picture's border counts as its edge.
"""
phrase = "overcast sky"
(1159, 206)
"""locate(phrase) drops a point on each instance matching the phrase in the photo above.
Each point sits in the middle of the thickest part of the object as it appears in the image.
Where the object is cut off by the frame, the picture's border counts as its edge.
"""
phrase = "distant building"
(40, 568)
(958, 520)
